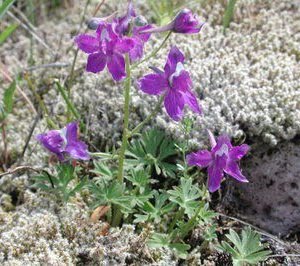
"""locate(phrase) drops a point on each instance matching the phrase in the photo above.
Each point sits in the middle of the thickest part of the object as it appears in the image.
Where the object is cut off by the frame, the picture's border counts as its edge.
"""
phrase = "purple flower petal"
(180, 79)
(183, 83)
(124, 45)
(186, 22)
(96, 62)
(71, 132)
(153, 84)
(215, 173)
(137, 51)
(174, 57)
(174, 104)
(116, 66)
(122, 23)
(77, 150)
(201, 158)
(192, 102)
(236, 153)
(53, 141)
(232, 169)
(102, 25)
(137, 32)
(87, 43)
(223, 145)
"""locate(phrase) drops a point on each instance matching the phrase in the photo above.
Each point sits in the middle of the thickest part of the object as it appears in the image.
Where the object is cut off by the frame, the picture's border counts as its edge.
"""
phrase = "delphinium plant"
(143, 181)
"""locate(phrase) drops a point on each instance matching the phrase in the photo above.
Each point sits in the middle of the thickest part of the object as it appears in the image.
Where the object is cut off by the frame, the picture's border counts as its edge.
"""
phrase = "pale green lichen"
(41, 231)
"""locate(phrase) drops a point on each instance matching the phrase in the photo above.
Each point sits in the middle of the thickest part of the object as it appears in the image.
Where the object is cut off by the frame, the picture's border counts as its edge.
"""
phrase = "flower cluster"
(117, 37)
(112, 40)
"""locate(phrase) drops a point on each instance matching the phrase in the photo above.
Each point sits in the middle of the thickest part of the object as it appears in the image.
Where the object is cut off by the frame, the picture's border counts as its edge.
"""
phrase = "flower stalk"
(126, 119)
(120, 177)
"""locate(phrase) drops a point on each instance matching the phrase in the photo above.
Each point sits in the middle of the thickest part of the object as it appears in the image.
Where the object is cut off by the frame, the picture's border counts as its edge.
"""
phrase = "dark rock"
(271, 200)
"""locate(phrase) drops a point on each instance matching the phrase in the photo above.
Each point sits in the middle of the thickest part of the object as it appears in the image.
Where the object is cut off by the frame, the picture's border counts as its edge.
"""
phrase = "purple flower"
(185, 22)
(223, 157)
(175, 83)
(123, 23)
(105, 48)
(138, 24)
(64, 143)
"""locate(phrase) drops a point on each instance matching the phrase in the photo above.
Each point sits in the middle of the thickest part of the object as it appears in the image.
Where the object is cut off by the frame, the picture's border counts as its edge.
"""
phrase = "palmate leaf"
(110, 193)
(155, 212)
(152, 151)
(140, 199)
(140, 179)
(245, 249)
(104, 173)
(186, 196)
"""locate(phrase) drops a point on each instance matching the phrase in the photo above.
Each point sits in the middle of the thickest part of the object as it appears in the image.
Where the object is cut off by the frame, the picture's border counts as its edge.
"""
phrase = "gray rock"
(272, 198)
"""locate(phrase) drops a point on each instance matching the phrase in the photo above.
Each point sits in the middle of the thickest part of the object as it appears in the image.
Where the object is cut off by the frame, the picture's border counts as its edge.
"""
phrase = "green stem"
(148, 118)
(70, 105)
(154, 52)
(126, 121)
(184, 157)
(118, 214)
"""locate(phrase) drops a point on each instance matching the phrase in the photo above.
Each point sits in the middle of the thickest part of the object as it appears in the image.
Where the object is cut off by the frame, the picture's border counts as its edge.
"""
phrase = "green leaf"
(246, 248)
(186, 196)
(158, 240)
(7, 32)
(152, 151)
(228, 15)
(155, 212)
(180, 249)
(9, 97)
(5, 6)
(78, 187)
(140, 179)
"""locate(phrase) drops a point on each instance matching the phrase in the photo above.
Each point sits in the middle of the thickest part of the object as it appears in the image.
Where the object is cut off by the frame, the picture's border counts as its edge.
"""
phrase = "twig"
(23, 168)
(26, 168)
(256, 228)
(50, 65)
(29, 137)
(34, 35)
(97, 8)
(21, 14)
(284, 255)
